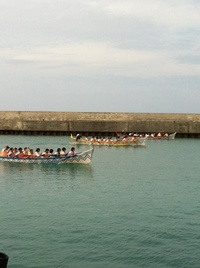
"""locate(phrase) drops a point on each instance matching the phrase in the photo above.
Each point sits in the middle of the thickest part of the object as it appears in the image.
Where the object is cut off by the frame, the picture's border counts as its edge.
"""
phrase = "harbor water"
(130, 208)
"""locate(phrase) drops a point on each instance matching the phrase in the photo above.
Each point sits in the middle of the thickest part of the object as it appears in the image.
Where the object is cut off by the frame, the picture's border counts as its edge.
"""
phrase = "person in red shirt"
(20, 153)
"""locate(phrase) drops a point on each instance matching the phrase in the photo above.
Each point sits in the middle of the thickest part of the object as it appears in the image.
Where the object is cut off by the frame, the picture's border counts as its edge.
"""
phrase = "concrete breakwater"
(89, 123)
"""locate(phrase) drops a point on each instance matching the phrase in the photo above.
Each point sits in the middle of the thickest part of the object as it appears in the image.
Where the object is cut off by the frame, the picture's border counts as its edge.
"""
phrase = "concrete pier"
(89, 123)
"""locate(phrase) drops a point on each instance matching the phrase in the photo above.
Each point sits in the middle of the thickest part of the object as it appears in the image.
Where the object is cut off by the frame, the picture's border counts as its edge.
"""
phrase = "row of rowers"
(106, 140)
(125, 138)
(30, 153)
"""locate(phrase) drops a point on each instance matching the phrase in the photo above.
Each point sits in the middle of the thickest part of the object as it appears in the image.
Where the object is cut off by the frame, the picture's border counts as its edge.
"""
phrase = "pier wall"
(89, 123)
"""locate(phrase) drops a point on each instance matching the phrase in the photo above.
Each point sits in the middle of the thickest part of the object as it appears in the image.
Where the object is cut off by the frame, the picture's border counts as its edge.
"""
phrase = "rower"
(20, 153)
(46, 153)
(4, 151)
(72, 152)
(11, 152)
(117, 139)
(31, 154)
(78, 137)
(37, 152)
(57, 153)
(63, 151)
(85, 139)
(26, 151)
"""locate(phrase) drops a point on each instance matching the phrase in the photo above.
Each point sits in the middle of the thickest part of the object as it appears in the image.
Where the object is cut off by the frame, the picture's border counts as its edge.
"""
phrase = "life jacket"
(3, 152)
(20, 155)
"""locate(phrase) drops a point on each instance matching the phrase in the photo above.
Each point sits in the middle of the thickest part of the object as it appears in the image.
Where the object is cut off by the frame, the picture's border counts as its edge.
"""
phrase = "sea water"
(131, 207)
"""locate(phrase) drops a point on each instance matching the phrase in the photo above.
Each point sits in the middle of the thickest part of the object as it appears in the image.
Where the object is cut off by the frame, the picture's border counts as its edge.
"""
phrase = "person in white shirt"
(72, 152)
(37, 152)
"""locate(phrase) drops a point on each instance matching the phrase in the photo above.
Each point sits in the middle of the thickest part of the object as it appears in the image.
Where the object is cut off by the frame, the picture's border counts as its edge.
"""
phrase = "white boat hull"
(80, 158)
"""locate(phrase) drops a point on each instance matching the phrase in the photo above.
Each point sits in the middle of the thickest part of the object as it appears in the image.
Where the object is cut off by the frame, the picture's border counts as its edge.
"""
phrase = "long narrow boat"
(169, 137)
(80, 158)
(137, 142)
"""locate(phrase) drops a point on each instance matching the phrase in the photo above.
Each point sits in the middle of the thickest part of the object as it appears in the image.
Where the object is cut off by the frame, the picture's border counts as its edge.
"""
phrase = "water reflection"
(67, 170)
(7, 168)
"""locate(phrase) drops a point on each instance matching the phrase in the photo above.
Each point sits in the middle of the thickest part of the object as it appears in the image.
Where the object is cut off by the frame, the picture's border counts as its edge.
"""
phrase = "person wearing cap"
(4, 151)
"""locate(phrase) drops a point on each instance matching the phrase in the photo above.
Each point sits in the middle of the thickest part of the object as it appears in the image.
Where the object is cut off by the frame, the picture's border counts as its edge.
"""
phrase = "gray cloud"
(131, 56)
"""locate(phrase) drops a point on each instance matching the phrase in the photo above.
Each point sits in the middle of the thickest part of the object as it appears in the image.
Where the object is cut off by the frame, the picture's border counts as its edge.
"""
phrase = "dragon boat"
(169, 137)
(137, 142)
(84, 157)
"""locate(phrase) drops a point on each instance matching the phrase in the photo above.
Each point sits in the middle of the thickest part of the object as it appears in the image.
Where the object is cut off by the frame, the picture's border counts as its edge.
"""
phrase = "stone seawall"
(88, 123)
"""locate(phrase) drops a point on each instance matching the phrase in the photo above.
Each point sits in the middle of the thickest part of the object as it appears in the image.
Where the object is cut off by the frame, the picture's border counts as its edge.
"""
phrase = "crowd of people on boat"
(144, 135)
(109, 140)
(119, 138)
(105, 140)
(12, 152)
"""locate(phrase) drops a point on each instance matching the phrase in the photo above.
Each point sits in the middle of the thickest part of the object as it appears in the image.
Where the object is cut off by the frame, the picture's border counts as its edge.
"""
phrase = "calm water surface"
(131, 207)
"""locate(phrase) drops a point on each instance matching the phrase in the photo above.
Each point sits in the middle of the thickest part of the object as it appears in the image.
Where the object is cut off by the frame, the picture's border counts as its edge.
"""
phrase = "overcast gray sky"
(100, 55)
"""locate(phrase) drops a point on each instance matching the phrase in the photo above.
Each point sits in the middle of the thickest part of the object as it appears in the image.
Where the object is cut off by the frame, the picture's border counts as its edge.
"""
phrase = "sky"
(135, 56)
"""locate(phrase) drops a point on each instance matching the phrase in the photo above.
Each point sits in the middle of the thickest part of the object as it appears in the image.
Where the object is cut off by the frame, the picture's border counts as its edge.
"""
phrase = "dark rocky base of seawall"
(99, 134)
